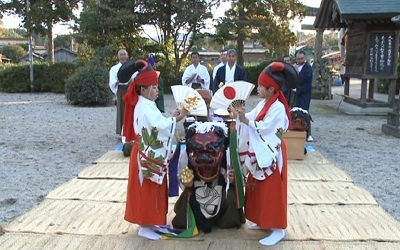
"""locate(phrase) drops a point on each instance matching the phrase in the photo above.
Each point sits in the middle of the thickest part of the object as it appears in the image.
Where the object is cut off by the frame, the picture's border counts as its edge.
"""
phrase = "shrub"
(15, 79)
(253, 71)
(56, 76)
(46, 78)
(13, 51)
(88, 86)
(40, 73)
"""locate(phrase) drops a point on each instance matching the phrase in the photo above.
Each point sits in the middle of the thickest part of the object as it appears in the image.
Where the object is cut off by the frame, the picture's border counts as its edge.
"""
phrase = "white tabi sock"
(254, 227)
(276, 236)
(147, 233)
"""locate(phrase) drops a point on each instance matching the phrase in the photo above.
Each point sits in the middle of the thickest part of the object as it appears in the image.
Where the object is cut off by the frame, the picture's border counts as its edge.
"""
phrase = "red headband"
(146, 78)
(266, 81)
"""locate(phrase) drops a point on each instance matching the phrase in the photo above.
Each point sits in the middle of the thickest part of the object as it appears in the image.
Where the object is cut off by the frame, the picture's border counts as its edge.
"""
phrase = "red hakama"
(146, 204)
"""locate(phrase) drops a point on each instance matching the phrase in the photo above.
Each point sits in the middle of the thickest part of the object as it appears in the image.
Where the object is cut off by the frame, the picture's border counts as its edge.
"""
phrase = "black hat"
(127, 69)
(283, 74)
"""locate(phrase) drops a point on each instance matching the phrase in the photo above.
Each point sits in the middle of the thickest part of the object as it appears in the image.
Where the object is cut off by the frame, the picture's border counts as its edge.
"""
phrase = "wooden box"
(295, 143)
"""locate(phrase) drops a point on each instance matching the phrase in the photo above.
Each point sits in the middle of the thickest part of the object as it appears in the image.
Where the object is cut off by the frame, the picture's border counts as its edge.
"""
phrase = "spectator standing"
(151, 60)
(287, 92)
(118, 88)
(303, 90)
(230, 72)
(196, 75)
(222, 62)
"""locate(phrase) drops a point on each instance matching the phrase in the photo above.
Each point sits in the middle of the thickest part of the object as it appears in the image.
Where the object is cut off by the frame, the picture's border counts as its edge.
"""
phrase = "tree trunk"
(322, 79)
(241, 36)
(50, 45)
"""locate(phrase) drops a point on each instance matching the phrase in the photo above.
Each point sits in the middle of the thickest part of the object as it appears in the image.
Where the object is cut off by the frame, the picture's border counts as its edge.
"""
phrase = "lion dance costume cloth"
(210, 200)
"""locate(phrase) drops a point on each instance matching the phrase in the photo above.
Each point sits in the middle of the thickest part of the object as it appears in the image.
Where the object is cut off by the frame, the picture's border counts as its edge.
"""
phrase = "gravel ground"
(46, 142)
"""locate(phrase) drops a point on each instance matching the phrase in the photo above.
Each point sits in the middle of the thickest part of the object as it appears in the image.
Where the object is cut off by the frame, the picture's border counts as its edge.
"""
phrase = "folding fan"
(232, 94)
(189, 99)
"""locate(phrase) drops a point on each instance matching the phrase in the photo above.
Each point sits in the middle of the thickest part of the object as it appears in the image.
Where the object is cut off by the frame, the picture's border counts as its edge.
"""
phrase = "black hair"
(300, 51)
(194, 53)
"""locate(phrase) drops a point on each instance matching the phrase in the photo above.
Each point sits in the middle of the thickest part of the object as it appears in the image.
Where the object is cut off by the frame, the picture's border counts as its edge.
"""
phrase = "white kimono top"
(260, 142)
(201, 71)
(156, 134)
(216, 69)
(113, 78)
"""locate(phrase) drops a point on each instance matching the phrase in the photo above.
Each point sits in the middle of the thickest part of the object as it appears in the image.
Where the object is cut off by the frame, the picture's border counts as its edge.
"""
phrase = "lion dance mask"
(205, 145)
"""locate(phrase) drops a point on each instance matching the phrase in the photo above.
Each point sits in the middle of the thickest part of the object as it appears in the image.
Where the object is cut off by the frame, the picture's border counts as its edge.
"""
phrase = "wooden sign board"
(381, 54)
(372, 54)
(355, 55)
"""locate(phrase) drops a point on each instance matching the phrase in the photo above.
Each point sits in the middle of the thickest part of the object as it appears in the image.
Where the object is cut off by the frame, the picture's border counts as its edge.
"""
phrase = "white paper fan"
(231, 94)
(190, 99)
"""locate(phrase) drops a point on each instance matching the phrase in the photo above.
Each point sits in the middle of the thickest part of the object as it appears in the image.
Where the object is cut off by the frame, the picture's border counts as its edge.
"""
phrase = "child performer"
(263, 153)
(152, 133)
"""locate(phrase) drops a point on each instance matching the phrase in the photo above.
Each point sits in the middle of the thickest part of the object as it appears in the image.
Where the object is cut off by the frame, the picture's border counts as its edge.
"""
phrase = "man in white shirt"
(119, 89)
(196, 75)
(222, 59)
(230, 72)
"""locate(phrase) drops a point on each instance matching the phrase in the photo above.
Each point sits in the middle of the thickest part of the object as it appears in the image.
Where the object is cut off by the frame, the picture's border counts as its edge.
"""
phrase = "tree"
(1, 27)
(106, 26)
(264, 21)
(15, 33)
(330, 40)
(63, 41)
(177, 23)
(13, 51)
(43, 14)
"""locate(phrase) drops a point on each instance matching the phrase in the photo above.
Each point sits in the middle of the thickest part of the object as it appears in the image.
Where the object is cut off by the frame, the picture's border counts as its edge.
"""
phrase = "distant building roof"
(58, 49)
(62, 54)
(35, 56)
(368, 9)
(337, 13)
(9, 41)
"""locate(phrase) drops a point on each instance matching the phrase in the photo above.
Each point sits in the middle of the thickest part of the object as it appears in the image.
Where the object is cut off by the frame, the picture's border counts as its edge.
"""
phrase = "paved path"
(326, 211)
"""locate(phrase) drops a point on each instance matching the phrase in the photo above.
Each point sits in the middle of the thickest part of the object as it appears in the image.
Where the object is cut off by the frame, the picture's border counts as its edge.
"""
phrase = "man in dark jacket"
(230, 72)
(303, 90)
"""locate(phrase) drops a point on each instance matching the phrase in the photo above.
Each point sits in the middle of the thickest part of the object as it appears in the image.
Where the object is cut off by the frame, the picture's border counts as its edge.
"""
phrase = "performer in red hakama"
(263, 152)
(152, 134)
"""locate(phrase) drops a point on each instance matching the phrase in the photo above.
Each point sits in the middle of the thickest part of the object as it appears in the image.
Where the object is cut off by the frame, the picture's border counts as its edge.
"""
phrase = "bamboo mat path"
(326, 211)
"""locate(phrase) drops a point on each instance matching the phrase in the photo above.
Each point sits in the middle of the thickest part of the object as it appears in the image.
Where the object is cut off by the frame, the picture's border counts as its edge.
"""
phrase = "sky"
(15, 22)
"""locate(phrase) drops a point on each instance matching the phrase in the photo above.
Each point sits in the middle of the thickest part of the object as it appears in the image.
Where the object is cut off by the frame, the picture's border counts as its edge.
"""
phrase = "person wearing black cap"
(263, 152)
(152, 135)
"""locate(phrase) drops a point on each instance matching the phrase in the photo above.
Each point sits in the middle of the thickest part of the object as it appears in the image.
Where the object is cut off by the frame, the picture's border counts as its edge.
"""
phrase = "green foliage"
(179, 23)
(266, 21)
(88, 86)
(323, 80)
(107, 26)
(167, 73)
(253, 71)
(47, 78)
(14, 79)
(13, 51)
(63, 41)
(43, 14)
(12, 33)
(55, 77)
